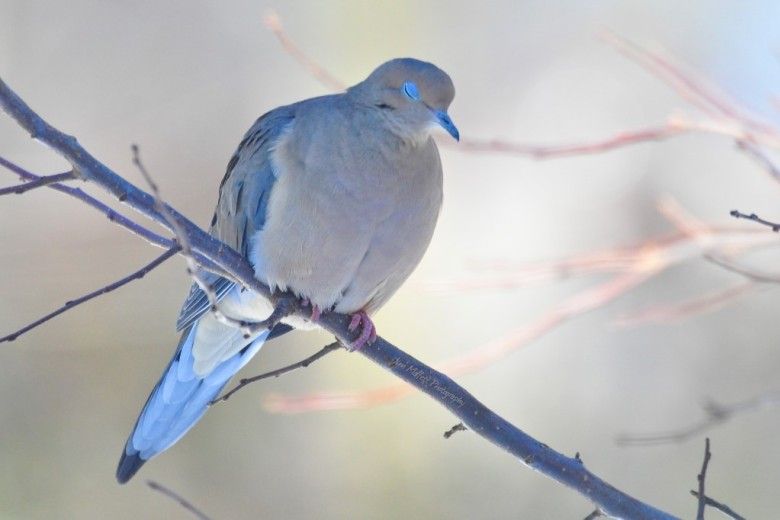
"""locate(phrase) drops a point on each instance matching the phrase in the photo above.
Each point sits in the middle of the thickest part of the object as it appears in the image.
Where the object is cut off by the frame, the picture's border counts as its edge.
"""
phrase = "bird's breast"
(344, 217)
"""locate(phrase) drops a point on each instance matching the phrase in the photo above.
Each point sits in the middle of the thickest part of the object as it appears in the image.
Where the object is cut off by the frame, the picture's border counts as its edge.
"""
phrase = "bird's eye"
(410, 90)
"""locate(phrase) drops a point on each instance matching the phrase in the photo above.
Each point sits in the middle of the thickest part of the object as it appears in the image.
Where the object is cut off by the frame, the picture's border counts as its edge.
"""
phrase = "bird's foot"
(367, 330)
(316, 312)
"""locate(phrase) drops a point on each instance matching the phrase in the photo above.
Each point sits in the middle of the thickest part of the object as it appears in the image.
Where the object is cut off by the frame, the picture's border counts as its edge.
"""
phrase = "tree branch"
(183, 502)
(593, 515)
(79, 194)
(37, 183)
(755, 218)
(682, 310)
(727, 118)
(751, 274)
(207, 249)
(193, 269)
(137, 275)
(539, 152)
(466, 407)
(274, 23)
(703, 499)
(630, 266)
(701, 477)
(324, 351)
(455, 429)
(715, 414)
(723, 508)
(760, 157)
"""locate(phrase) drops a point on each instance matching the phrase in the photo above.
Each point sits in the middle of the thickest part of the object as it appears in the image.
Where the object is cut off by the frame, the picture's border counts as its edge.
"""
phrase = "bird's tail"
(178, 401)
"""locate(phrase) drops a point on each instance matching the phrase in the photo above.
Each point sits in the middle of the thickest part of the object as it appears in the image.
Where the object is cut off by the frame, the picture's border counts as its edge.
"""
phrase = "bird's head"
(413, 94)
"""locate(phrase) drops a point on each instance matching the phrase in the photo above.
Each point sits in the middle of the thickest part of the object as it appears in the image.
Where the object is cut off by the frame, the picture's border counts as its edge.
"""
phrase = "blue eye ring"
(410, 90)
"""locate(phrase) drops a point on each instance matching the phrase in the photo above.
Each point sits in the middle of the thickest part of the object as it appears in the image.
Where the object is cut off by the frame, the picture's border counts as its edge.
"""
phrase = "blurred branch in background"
(630, 266)
(477, 417)
(724, 117)
(183, 502)
(715, 415)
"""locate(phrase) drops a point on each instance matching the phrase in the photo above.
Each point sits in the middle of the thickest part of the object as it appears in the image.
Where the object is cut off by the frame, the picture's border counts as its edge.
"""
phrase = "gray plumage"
(333, 198)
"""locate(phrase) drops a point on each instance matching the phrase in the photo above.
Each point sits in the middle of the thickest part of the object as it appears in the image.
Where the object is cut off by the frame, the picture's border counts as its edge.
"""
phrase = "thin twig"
(760, 157)
(327, 349)
(686, 309)
(455, 429)
(723, 508)
(702, 498)
(274, 23)
(178, 498)
(38, 183)
(284, 304)
(193, 268)
(701, 477)
(539, 152)
(751, 274)
(596, 513)
(755, 218)
(689, 88)
(79, 194)
(137, 275)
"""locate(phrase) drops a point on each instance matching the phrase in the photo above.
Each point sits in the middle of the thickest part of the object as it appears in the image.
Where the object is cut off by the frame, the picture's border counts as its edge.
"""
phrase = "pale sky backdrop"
(185, 79)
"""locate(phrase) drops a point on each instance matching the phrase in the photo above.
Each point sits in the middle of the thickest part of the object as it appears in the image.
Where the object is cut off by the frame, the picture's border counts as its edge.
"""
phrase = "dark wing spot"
(230, 166)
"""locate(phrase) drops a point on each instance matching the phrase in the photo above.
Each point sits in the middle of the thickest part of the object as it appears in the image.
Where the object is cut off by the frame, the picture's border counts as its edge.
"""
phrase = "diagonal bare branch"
(183, 502)
(774, 226)
(726, 118)
(324, 351)
(37, 183)
(760, 157)
(193, 269)
(723, 508)
(274, 23)
(79, 194)
(752, 275)
(137, 275)
(715, 414)
(445, 391)
(682, 310)
(539, 152)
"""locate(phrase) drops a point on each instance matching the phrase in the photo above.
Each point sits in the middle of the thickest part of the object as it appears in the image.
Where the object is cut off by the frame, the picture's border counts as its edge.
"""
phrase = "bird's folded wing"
(243, 199)
(197, 302)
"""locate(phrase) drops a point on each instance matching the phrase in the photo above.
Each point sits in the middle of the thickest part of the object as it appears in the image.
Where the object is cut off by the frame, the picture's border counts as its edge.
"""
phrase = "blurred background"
(185, 79)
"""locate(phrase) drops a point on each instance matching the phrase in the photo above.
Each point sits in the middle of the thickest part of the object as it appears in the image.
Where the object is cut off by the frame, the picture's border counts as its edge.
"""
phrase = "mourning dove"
(333, 199)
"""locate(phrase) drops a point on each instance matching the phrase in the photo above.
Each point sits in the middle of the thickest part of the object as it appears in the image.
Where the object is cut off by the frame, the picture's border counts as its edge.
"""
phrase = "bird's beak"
(444, 120)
